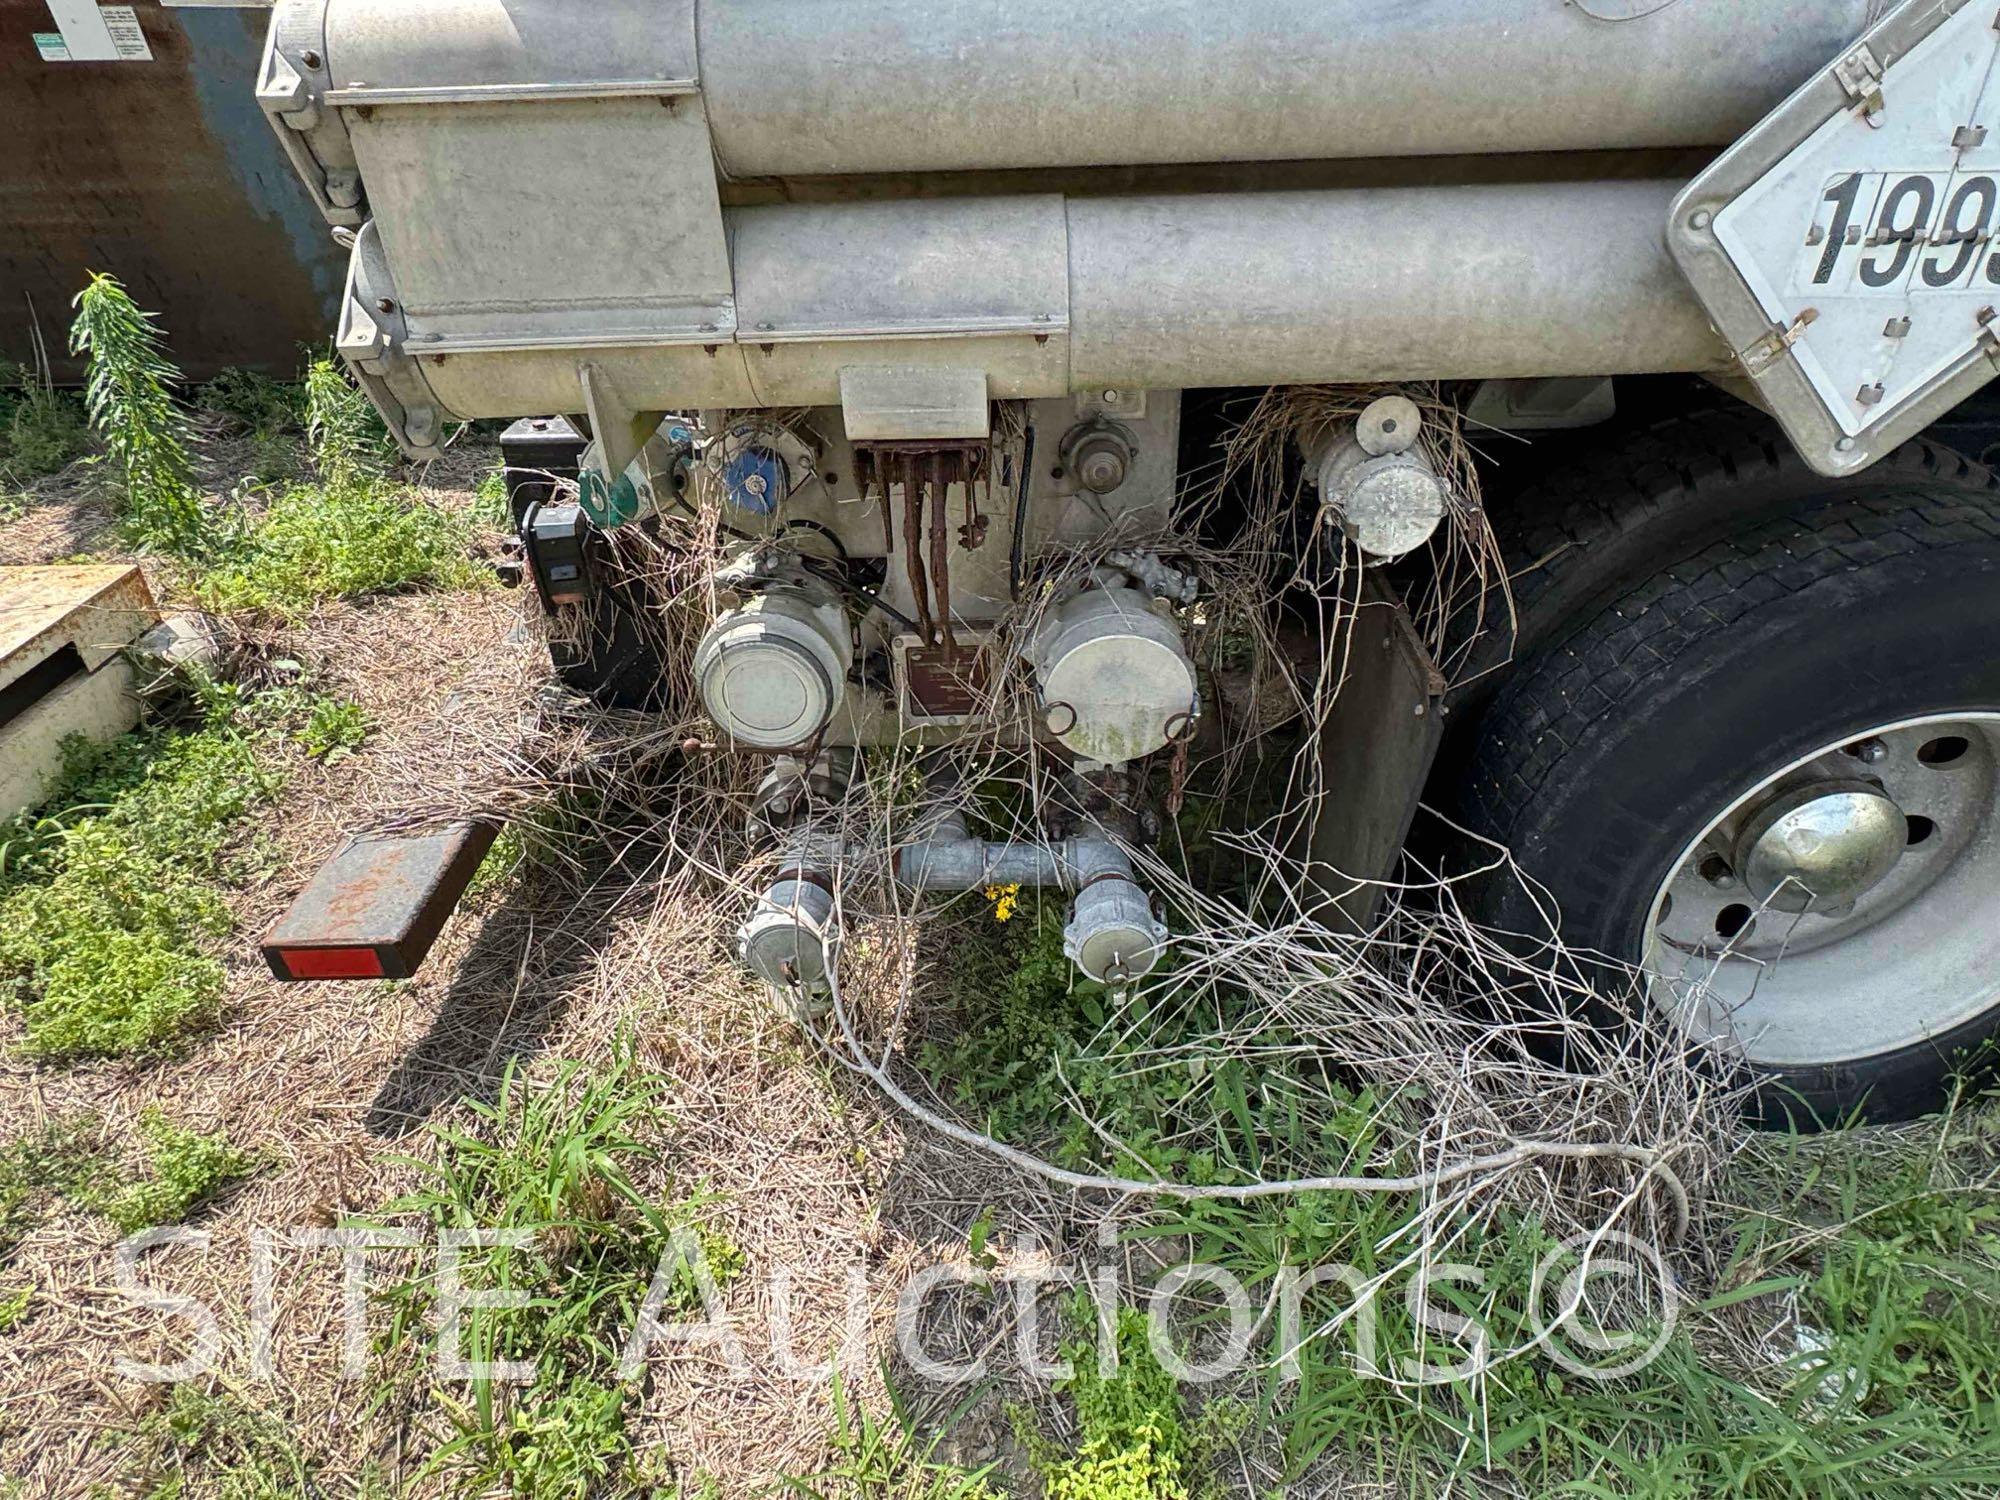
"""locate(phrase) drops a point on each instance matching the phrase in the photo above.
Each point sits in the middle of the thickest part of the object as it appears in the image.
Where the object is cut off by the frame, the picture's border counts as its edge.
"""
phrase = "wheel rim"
(1846, 906)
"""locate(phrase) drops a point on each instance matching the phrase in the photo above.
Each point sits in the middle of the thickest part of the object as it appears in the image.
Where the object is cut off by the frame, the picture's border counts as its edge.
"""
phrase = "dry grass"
(330, 1082)
(623, 922)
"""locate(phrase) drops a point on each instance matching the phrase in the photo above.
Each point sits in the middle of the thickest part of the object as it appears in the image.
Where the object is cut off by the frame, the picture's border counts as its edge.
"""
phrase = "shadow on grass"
(509, 993)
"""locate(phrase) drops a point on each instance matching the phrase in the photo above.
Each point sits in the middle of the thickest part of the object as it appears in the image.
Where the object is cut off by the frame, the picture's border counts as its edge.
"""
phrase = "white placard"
(1884, 228)
(126, 35)
(88, 32)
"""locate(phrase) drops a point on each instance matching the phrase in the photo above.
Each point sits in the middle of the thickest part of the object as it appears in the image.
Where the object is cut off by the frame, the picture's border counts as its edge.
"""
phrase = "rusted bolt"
(310, 59)
(385, 304)
(766, 348)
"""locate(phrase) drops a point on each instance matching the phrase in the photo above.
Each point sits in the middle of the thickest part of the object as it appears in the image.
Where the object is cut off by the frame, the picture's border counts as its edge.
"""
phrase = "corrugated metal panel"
(165, 174)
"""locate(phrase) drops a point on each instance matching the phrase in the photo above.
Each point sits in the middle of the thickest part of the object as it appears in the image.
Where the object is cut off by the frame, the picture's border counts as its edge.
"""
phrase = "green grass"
(333, 730)
(261, 406)
(184, 1169)
(220, 1447)
(62, 1160)
(14, 1306)
(875, 1459)
(361, 537)
(557, 1161)
(113, 903)
(350, 533)
(1892, 1252)
(42, 430)
(1134, 1440)
(112, 895)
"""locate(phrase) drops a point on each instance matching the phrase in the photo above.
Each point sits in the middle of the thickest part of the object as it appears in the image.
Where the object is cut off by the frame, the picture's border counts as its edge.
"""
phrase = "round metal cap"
(782, 950)
(1822, 846)
(1114, 955)
(1391, 506)
(763, 688)
(1390, 425)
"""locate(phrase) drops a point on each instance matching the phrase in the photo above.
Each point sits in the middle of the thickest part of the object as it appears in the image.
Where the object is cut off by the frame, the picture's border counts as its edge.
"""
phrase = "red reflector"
(330, 963)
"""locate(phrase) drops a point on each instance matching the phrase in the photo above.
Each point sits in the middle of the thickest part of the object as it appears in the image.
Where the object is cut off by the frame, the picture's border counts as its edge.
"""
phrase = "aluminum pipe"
(1380, 284)
(800, 87)
(965, 864)
(1046, 296)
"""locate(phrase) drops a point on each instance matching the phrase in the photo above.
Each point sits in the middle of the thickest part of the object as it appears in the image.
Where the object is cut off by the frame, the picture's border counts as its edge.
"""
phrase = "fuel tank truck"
(938, 307)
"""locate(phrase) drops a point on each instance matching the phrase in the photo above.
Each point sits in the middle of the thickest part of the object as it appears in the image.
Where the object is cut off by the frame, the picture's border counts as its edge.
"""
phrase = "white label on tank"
(123, 24)
(94, 33)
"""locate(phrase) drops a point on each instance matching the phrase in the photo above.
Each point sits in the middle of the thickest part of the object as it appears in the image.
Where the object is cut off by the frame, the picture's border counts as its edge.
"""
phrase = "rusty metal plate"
(96, 608)
(941, 684)
(387, 894)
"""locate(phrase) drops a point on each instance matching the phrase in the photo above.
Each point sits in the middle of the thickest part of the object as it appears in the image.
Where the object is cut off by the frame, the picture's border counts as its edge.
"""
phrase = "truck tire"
(1803, 712)
(1599, 524)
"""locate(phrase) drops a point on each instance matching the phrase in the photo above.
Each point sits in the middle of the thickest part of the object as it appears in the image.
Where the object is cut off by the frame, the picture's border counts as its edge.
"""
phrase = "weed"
(507, 855)
(262, 406)
(1685, 1423)
(218, 1445)
(554, 1163)
(184, 1170)
(112, 900)
(14, 1307)
(42, 430)
(1133, 1442)
(876, 1460)
(62, 1160)
(130, 396)
(345, 541)
(349, 444)
(490, 507)
(333, 730)
(1043, 1057)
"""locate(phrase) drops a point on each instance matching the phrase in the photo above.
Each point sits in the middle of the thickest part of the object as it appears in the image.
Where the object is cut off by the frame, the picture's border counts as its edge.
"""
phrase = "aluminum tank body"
(729, 204)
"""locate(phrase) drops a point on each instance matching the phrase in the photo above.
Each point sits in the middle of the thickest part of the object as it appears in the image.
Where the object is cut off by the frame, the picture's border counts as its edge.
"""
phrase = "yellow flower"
(1006, 900)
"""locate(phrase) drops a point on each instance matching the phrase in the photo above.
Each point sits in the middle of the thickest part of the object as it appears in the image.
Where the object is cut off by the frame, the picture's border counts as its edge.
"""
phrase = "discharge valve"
(1115, 677)
(773, 667)
(1375, 482)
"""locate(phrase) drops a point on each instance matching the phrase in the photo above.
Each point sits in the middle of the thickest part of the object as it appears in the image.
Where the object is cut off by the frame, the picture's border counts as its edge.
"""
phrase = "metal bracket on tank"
(371, 340)
(619, 435)
(291, 85)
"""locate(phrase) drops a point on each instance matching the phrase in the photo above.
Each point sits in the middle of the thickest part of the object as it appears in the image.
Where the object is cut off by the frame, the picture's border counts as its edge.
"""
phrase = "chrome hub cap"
(1848, 905)
(1820, 847)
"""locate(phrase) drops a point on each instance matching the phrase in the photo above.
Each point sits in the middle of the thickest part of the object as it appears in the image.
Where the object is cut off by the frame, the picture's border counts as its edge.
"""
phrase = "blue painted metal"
(754, 480)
